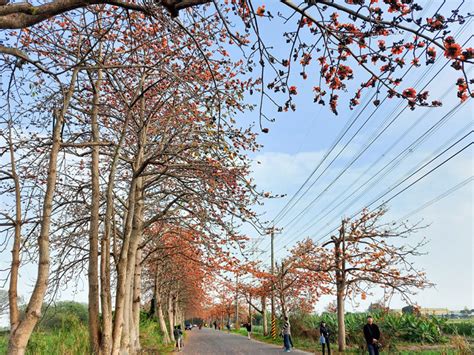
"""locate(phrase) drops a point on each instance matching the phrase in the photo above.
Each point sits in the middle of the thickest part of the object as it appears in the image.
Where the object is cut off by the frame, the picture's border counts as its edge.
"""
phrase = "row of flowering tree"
(141, 140)
(367, 253)
(118, 131)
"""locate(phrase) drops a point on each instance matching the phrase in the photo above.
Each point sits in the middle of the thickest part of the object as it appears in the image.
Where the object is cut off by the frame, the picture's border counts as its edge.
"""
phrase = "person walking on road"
(215, 325)
(324, 337)
(248, 326)
(286, 332)
(178, 336)
(372, 336)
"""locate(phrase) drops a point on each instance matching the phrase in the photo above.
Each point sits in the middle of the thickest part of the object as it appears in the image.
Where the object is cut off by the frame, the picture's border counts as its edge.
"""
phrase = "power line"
(442, 150)
(439, 197)
(361, 152)
(410, 174)
(410, 185)
(306, 209)
(390, 166)
(288, 206)
(426, 174)
(341, 135)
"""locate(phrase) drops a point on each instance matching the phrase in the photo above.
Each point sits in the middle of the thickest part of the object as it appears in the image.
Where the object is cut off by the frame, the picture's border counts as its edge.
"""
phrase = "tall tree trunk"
(264, 315)
(130, 268)
(132, 235)
(159, 312)
(135, 334)
(109, 230)
(170, 316)
(339, 253)
(127, 315)
(93, 275)
(175, 310)
(128, 334)
(20, 336)
(250, 309)
(283, 304)
(122, 273)
(341, 326)
(15, 264)
(282, 289)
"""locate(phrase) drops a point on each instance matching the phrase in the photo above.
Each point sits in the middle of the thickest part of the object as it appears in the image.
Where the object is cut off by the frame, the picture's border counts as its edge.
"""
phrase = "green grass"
(461, 320)
(65, 342)
(460, 327)
(151, 338)
(74, 341)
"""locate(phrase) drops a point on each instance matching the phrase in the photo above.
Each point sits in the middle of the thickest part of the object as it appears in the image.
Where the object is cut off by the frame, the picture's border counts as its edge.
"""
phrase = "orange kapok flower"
(409, 93)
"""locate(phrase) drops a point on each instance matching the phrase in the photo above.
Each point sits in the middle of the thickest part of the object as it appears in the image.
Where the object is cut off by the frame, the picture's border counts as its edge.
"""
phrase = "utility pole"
(237, 324)
(340, 285)
(272, 270)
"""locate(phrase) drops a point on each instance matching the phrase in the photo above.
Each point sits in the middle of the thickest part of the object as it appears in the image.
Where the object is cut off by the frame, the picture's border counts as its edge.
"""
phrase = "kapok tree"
(174, 271)
(258, 288)
(188, 158)
(338, 37)
(366, 253)
(297, 288)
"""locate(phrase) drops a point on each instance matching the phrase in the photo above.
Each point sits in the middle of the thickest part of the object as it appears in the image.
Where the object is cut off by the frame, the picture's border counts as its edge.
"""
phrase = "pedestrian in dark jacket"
(248, 326)
(286, 332)
(324, 337)
(372, 336)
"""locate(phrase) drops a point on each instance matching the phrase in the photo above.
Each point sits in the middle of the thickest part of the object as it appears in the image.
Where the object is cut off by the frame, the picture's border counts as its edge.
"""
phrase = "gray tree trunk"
(20, 336)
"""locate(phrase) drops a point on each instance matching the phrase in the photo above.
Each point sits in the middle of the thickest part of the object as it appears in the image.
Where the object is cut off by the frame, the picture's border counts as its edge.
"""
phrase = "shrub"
(63, 315)
(72, 340)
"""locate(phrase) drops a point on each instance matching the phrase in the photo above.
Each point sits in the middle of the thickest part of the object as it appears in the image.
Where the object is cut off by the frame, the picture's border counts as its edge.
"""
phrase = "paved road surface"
(213, 342)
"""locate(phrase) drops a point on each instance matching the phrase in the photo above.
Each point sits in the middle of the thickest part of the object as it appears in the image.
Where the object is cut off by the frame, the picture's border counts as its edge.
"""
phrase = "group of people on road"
(371, 335)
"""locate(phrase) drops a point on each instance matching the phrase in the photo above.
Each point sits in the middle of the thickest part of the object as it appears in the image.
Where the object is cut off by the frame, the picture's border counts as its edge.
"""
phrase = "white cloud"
(449, 263)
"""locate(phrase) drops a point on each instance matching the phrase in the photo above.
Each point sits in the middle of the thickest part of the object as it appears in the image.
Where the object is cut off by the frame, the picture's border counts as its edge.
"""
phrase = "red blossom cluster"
(306, 59)
(431, 52)
(462, 89)
(436, 22)
(397, 6)
(261, 10)
(409, 93)
(452, 49)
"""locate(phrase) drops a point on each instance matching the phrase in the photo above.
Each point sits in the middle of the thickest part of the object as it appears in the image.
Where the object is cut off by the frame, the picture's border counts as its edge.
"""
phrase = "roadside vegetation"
(64, 330)
(401, 333)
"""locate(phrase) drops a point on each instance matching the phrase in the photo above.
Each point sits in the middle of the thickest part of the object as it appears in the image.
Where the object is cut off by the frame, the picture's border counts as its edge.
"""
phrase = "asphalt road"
(213, 342)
